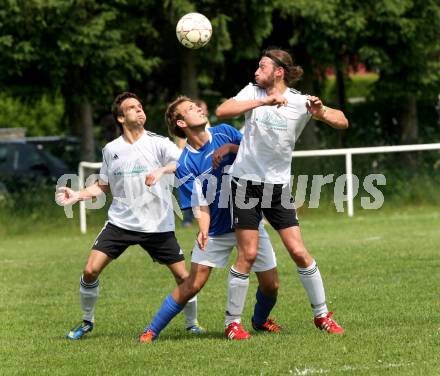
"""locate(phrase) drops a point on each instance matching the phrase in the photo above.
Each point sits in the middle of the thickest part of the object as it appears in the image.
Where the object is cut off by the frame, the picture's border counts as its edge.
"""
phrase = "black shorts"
(251, 199)
(161, 246)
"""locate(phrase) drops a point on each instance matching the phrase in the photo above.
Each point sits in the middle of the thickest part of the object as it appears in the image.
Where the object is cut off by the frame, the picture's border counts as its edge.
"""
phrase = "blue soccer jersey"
(200, 184)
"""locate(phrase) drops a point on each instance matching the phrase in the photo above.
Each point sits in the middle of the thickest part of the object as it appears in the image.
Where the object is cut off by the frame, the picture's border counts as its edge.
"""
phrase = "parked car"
(24, 164)
(66, 148)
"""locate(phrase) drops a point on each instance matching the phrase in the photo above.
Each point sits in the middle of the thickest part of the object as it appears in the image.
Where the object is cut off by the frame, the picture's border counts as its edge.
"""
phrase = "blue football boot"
(80, 330)
(196, 329)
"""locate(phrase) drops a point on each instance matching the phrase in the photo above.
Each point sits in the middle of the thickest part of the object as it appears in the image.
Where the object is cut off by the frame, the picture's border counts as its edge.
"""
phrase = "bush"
(41, 117)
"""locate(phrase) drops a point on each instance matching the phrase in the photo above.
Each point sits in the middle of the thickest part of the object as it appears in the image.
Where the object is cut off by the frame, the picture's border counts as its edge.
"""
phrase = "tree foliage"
(401, 41)
(85, 51)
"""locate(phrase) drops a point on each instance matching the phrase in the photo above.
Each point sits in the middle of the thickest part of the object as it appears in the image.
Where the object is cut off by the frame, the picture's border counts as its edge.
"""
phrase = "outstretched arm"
(67, 196)
(331, 116)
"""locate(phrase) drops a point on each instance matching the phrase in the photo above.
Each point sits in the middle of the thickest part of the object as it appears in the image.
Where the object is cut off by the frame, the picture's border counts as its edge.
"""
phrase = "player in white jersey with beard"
(141, 211)
(275, 115)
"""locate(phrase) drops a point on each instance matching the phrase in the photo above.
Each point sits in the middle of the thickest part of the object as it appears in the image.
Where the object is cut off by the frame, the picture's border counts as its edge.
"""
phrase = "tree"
(401, 42)
(83, 49)
(322, 34)
(394, 37)
(239, 29)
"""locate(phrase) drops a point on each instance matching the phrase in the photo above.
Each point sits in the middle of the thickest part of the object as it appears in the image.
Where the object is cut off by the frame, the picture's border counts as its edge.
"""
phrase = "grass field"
(381, 271)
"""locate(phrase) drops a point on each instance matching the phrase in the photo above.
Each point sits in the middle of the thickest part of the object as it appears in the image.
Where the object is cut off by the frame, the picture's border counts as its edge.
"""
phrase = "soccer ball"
(194, 30)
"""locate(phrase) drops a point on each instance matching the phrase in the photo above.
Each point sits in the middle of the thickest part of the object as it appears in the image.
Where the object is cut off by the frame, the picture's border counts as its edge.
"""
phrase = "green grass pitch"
(381, 273)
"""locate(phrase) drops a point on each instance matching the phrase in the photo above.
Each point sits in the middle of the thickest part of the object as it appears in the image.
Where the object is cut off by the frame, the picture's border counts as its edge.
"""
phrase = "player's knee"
(298, 251)
(270, 288)
(90, 274)
(195, 287)
(301, 259)
(181, 278)
(274, 286)
(190, 288)
(250, 256)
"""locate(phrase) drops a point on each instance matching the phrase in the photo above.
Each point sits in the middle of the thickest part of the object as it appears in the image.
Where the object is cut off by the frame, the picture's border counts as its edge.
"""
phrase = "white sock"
(190, 311)
(312, 282)
(88, 294)
(238, 284)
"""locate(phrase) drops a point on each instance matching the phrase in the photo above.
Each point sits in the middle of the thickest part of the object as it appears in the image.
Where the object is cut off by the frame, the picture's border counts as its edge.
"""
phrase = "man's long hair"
(281, 58)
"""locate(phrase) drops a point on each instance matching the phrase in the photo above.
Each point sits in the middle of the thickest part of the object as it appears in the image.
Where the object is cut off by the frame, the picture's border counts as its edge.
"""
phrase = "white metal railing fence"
(82, 205)
(349, 152)
(352, 151)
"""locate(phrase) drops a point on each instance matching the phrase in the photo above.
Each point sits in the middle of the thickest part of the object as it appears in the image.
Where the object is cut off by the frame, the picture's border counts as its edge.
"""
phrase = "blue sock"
(263, 306)
(166, 313)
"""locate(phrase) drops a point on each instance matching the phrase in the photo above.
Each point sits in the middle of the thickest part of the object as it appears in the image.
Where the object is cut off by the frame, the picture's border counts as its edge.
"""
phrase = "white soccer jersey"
(135, 206)
(265, 153)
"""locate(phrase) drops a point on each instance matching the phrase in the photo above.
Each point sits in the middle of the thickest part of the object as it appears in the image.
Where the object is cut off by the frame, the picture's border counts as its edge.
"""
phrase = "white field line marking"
(348, 368)
(373, 238)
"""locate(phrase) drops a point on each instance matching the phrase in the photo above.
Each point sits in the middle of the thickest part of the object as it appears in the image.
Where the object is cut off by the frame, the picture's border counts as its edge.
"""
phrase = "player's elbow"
(226, 109)
(220, 112)
(341, 122)
(344, 123)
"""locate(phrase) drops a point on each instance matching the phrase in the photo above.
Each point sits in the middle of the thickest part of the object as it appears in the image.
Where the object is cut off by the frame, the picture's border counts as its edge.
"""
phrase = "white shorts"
(220, 247)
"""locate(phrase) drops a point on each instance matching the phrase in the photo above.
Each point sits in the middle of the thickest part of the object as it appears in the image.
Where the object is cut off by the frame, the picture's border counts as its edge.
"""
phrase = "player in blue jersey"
(204, 186)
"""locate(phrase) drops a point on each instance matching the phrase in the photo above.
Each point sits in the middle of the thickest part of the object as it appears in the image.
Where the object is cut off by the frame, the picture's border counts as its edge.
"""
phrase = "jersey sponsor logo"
(272, 120)
(130, 170)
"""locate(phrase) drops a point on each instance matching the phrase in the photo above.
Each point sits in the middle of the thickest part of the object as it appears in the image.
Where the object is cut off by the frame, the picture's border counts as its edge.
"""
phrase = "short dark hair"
(281, 58)
(199, 102)
(172, 115)
(116, 105)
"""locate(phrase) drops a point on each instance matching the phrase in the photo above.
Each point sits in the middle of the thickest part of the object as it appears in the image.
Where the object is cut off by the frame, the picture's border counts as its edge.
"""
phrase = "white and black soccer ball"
(194, 30)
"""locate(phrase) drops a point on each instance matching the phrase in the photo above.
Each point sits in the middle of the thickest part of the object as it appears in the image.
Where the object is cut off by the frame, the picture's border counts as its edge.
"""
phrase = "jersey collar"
(192, 150)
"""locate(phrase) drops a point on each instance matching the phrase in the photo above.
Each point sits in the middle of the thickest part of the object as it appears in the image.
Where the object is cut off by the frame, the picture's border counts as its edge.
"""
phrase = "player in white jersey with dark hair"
(275, 115)
(133, 167)
(204, 186)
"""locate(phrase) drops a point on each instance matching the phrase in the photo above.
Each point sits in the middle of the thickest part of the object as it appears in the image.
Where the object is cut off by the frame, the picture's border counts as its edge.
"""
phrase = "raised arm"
(331, 116)
(67, 196)
(232, 107)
